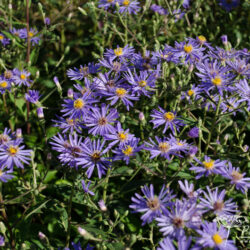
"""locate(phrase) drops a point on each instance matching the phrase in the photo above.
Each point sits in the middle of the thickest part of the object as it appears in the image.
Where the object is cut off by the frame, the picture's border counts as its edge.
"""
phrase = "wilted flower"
(86, 188)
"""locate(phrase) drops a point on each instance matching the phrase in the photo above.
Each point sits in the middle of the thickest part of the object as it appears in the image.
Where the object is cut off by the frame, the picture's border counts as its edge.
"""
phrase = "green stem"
(213, 125)
(104, 197)
(69, 213)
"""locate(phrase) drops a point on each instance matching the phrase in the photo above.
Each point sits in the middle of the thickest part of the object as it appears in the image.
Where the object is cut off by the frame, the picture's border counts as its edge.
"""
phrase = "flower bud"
(224, 39)
(40, 113)
(82, 231)
(41, 236)
(56, 81)
(102, 205)
(141, 116)
(70, 93)
(19, 133)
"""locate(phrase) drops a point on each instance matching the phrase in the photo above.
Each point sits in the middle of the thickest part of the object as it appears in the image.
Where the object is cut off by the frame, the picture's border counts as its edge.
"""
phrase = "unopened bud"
(56, 81)
(70, 93)
(40, 113)
(82, 231)
(41, 236)
(19, 133)
(102, 205)
(224, 39)
(141, 116)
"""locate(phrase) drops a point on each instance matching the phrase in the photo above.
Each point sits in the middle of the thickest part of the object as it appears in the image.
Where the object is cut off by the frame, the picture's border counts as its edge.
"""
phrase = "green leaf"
(50, 176)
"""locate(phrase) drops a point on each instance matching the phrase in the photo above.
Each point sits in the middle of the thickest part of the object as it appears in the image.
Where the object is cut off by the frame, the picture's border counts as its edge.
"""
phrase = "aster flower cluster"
(12, 154)
(94, 137)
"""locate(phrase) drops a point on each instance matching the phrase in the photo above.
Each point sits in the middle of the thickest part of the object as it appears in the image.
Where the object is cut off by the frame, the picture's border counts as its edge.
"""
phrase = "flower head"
(152, 205)
(214, 236)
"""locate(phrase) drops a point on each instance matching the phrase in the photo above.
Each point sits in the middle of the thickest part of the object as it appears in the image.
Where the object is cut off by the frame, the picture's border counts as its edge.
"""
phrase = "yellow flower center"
(23, 76)
(1, 37)
(179, 144)
(216, 81)
(126, 2)
(13, 150)
(31, 34)
(208, 165)
(142, 83)
(164, 56)
(217, 239)
(1, 172)
(3, 84)
(122, 136)
(188, 48)
(118, 51)
(121, 92)
(190, 92)
(7, 74)
(169, 116)
(110, 1)
(70, 121)
(164, 147)
(202, 39)
(128, 151)
(78, 103)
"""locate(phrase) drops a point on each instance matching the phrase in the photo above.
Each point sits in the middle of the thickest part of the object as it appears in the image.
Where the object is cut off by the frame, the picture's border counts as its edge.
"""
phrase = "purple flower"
(127, 150)
(92, 156)
(214, 75)
(164, 147)
(120, 136)
(5, 176)
(208, 166)
(79, 74)
(188, 50)
(185, 4)
(106, 4)
(78, 107)
(120, 52)
(158, 9)
(153, 205)
(215, 201)
(183, 243)
(179, 217)
(114, 65)
(192, 94)
(121, 94)
(6, 137)
(13, 153)
(141, 83)
(17, 32)
(67, 124)
(188, 189)
(32, 96)
(169, 119)
(86, 188)
(244, 91)
(69, 148)
(228, 5)
(128, 6)
(101, 121)
(34, 39)
(212, 236)
(193, 132)
(233, 174)
(192, 151)
(21, 77)
(4, 85)
(239, 66)
(4, 40)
